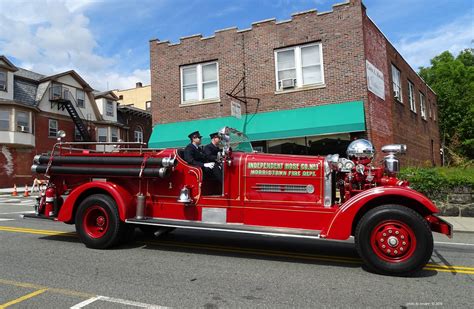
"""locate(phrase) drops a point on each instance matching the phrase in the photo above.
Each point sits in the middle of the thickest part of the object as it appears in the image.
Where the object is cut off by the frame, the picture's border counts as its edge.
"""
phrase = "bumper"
(439, 225)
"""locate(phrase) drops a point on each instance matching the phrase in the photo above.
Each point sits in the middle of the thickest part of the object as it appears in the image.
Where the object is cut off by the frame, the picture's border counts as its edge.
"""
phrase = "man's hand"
(209, 165)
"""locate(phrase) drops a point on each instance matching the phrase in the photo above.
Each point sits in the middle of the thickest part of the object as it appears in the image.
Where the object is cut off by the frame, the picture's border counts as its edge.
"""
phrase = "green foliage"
(437, 182)
(453, 81)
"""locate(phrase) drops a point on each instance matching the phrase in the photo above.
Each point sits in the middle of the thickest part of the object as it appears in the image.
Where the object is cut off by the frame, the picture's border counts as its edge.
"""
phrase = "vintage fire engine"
(107, 194)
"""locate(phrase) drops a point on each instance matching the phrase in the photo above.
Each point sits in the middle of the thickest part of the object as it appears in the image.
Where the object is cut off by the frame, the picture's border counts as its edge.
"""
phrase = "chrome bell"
(184, 196)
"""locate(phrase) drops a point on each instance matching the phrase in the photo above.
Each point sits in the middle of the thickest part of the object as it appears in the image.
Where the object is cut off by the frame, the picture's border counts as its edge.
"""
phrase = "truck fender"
(342, 223)
(125, 202)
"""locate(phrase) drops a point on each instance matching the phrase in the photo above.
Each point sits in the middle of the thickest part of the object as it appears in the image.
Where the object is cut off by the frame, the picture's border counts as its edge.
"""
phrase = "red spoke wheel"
(98, 222)
(394, 240)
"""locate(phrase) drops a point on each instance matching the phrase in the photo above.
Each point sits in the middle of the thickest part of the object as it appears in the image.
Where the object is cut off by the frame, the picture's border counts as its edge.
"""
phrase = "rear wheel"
(98, 223)
(394, 240)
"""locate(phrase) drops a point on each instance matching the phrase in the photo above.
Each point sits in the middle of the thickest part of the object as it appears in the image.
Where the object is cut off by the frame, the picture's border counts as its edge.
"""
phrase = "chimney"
(139, 84)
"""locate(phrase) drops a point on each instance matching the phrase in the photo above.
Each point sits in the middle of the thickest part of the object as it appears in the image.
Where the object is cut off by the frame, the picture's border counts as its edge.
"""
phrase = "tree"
(453, 81)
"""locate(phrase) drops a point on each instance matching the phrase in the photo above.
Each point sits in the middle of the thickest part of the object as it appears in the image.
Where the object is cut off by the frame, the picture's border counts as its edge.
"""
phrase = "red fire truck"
(107, 194)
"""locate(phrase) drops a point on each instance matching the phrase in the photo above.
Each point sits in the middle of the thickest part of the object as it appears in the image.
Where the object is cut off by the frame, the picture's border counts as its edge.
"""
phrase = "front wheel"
(98, 223)
(394, 240)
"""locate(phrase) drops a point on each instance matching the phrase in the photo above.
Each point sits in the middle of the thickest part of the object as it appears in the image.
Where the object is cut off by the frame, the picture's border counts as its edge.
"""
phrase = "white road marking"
(18, 212)
(117, 301)
(453, 243)
(3, 219)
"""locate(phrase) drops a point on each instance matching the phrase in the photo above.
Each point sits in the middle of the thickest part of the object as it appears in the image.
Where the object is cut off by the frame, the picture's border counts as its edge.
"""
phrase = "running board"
(229, 227)
(35, 216)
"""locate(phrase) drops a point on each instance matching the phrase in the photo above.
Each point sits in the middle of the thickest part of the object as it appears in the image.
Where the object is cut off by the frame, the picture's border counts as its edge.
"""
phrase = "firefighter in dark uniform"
(212, 149)
(194, 155)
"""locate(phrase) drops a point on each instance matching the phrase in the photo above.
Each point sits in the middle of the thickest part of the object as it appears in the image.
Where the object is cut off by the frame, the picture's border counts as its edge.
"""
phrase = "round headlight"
(361, 148)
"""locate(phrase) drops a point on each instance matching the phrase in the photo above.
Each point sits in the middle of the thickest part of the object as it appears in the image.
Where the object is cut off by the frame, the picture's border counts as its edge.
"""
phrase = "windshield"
(235, 139)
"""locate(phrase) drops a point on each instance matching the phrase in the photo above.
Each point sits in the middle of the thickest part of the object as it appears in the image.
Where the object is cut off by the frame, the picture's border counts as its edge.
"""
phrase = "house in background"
(139, 97)
(33, 107)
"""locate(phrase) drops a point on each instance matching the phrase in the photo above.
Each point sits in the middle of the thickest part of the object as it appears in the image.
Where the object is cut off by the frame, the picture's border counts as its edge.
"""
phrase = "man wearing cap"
(212, 149)
(196, 157)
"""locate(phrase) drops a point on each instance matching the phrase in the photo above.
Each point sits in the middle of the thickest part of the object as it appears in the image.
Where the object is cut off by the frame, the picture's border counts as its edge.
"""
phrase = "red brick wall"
(340, 33)
(378, 111)
(408, 127)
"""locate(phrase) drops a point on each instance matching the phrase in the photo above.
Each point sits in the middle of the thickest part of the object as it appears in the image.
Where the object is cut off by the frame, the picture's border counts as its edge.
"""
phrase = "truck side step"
(35, 216)
(228, 227)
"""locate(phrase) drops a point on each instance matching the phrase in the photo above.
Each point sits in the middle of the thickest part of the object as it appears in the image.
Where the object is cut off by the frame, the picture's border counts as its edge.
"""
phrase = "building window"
(3, 80)
(114, 135)
(77, 135)
(80, 98)
(148, 106)
(53, 128)
(397, 86)
(138, 135)
(55, 91)
(4, 120)
(199, 82)
(109, 108)
(102, 135)
(411, 96)
(299, 66)
(23, 122)
(422, 106)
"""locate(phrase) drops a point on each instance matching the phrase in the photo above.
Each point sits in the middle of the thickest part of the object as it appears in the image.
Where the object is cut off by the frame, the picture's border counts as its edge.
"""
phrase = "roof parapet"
(341, 3)
(312, 11)
(193, 36)
(270, 20)
(226, 29)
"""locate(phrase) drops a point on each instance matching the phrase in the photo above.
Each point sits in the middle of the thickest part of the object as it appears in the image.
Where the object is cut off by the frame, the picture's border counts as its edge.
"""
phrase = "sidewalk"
(460, 224)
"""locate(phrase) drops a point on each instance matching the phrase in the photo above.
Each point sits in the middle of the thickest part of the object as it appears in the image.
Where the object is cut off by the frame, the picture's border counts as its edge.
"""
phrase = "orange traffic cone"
(27, 193)
(15, 192)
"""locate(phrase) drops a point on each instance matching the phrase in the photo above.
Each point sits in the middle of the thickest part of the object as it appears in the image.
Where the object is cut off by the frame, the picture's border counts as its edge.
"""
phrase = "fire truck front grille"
(284, 188)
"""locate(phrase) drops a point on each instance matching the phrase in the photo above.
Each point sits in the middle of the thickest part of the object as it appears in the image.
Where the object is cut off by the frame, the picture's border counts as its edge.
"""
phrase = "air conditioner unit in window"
(396, 94)
(23, 129)
(287, 83)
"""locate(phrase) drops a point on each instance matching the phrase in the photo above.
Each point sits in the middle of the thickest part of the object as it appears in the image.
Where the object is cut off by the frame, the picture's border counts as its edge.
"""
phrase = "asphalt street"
(43, 265)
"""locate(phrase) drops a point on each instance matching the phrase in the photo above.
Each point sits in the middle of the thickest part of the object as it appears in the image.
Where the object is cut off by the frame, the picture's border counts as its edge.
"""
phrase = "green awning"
(307, 121)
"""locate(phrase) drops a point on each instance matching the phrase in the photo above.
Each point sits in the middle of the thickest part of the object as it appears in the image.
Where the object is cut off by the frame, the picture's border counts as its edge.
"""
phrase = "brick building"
(33, 107)
(308, 85)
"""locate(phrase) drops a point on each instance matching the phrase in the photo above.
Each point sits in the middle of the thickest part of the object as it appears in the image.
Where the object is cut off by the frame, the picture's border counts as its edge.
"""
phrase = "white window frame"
(138, 134)
(109, 112)
(397, 85)
(411, 96)
(422, 106)
(117, 134)
(79, 104)
(50, 121)
(4, 82)
(199, 82)
(19, 127)
(106, 134)
(148, 106)
(8, 119)
(298, 65)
